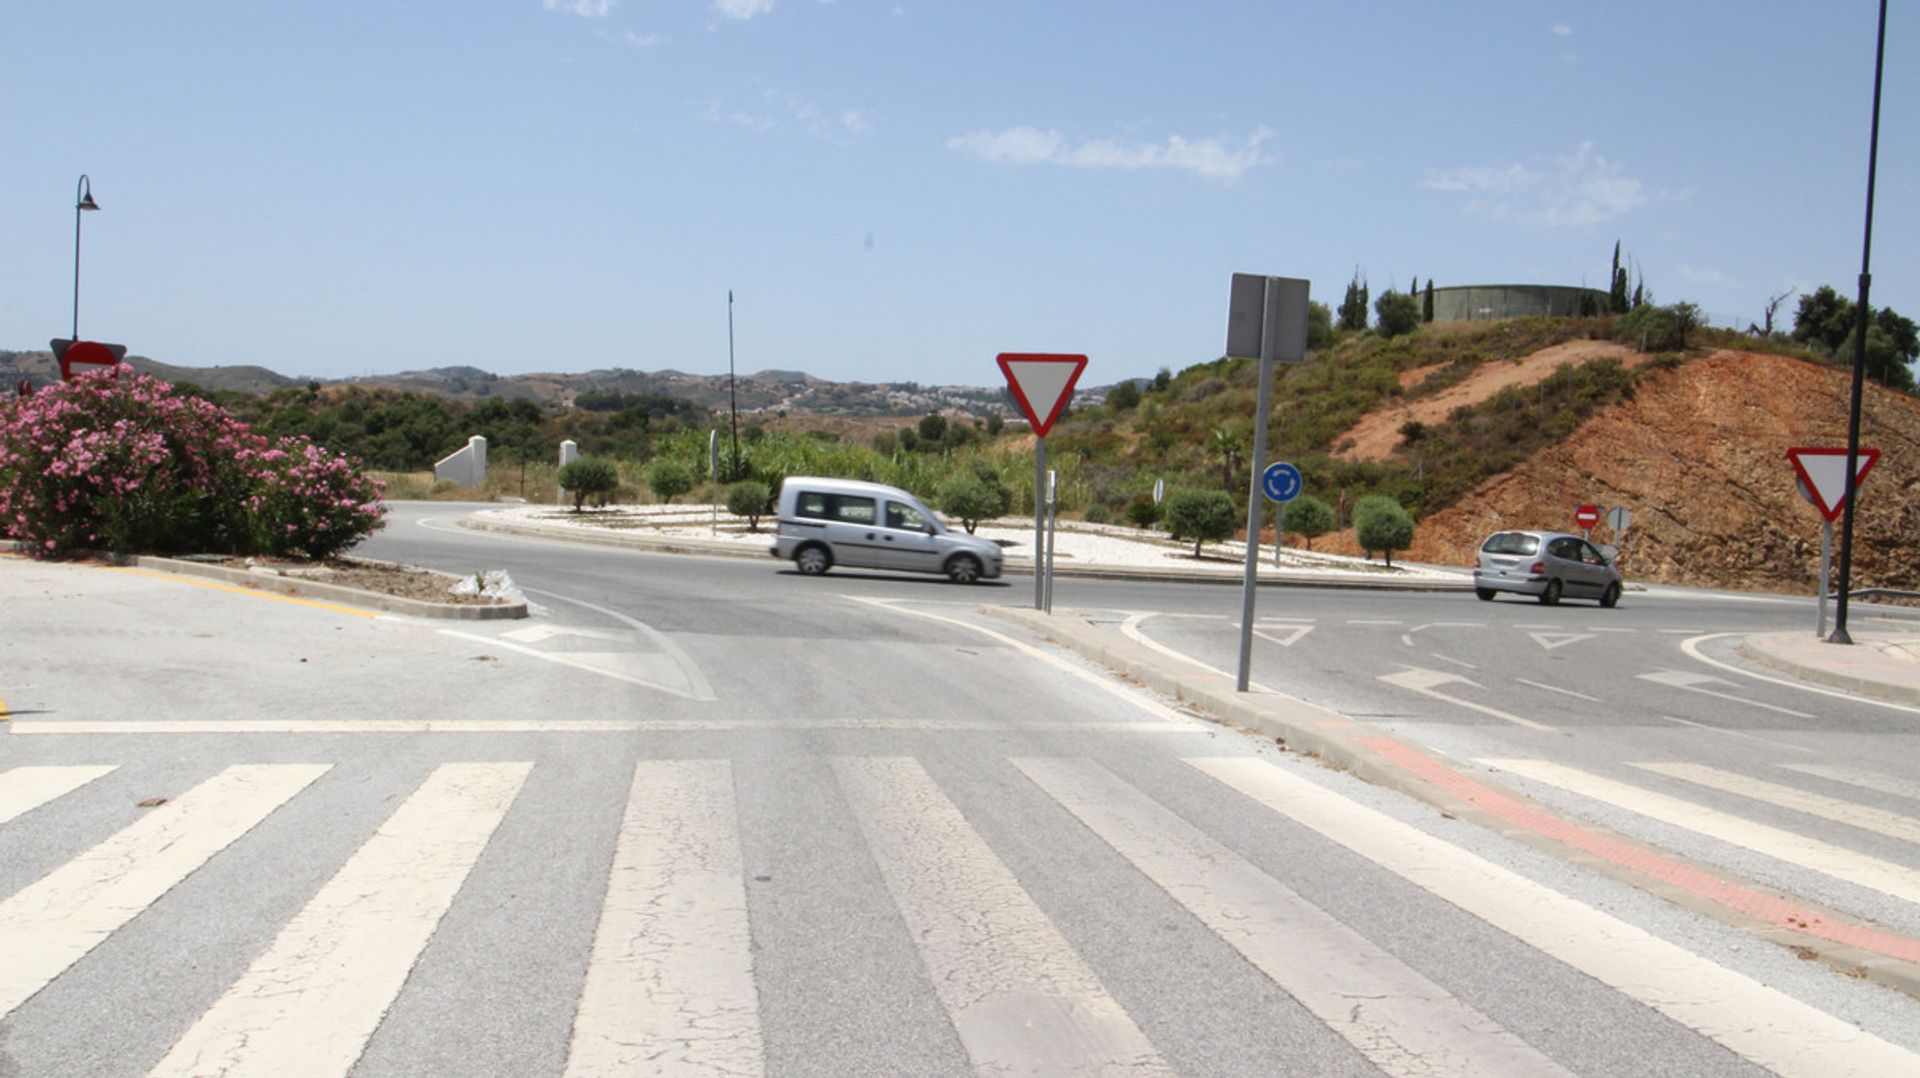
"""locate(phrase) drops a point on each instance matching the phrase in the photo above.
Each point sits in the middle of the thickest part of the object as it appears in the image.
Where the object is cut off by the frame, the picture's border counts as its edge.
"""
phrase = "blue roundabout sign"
(1281, 481)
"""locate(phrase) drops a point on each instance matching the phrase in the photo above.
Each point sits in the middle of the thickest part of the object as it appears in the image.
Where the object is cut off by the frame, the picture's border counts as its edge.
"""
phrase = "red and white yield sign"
(1586, 515)
(1042, 384)
(1823, 475)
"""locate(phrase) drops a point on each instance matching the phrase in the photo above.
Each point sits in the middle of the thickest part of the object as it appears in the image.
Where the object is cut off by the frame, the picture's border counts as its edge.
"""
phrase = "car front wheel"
(812, 561)
(964, 569)
(1485, 594)
(1611, 596)
(1550, 596)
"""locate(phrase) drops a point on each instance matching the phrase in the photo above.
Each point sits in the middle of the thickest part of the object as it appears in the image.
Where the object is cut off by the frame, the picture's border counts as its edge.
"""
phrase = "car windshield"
(1511, 543)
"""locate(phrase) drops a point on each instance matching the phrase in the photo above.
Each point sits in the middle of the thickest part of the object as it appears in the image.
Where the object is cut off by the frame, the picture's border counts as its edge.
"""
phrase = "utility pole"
(1859, 356)
(733, 403)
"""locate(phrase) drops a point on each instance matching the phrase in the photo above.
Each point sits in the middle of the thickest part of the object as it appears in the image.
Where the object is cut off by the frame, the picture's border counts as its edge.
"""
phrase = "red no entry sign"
(1587, 516)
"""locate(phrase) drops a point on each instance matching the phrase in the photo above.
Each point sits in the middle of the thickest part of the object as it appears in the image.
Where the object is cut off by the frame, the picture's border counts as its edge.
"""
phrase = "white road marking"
(1556, 688)
(1462, 663)
(1401, 1021)
(1692, 648)
(1383, 622)
(1826, 858)
(50, 924)
(1130, 628)
(1681, 679)
(697, 687)
(1558, 640)
(567, 726)
(1866, 780)
(1424, 682)
(1734, 733)
(308, 1005)
(23, 789)
(670, 986)
(1021, 1000)
(545, 630)
(1867, 818)
(1760, 1024)
(1104, 683)
(1292, 637)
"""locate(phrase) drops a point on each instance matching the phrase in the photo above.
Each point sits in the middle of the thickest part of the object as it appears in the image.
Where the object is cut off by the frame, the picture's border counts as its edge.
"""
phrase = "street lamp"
(82, 200)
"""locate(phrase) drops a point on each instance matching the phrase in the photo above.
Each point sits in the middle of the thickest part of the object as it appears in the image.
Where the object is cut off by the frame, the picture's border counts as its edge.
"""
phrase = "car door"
(853, 530)
(906, 540)
(1576, 576)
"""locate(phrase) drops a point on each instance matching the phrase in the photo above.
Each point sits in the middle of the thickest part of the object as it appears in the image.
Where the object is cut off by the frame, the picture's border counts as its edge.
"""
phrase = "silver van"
(1548, 566)
(829, 522)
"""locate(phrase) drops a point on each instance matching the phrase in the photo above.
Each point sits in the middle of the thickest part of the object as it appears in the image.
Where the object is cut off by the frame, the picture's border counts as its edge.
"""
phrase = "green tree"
(1823, 317)
(1617, 284)
(995, 424)
(748, 498)
(1885, 364)
(1201, 515)
(1319, 326)
(971, 499)
(1426, 303)
(589, 477)
(1142, 513)
(1353, 309)
(1399, 314)
(1163, 377)
(668, 479)
(933, 427)
(1124, 397)
(1308, 517)
(1379, 523)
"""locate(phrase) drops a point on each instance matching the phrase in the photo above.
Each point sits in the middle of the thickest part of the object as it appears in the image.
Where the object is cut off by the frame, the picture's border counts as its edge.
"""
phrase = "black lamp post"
(82, 200)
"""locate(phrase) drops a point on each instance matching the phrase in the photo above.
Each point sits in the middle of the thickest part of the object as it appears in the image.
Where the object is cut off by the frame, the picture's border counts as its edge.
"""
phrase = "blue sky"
(899, 190)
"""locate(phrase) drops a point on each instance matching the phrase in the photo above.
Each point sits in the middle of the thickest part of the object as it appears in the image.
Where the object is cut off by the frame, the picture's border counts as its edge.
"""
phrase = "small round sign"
(1587, 516)
(1281, 482)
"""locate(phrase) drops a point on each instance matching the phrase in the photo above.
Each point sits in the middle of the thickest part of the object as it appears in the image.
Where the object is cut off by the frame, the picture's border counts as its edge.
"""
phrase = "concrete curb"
(685, 545)
(296, 587)
(1891, 692)
(1333, 738)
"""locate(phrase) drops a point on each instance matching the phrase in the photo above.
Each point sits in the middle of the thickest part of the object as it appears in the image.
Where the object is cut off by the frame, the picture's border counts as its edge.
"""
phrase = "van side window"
(852, 509)
(811, 504)
(905, 517)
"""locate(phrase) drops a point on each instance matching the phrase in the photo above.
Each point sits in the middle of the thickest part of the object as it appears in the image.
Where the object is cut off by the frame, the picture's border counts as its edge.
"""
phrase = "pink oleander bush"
(123, 465)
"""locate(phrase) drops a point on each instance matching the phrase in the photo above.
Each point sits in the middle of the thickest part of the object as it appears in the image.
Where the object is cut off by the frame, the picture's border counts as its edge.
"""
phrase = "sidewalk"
(1883, 664)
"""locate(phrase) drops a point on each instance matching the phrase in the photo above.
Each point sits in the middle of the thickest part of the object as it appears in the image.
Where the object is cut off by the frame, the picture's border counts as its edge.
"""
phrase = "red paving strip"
(1769, 908)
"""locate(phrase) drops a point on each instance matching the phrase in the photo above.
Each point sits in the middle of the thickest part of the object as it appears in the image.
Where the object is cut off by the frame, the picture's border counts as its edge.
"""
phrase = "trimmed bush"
(1379, 523)
(1307, 517)
(971, 498)
(1201, 515)
(668, 479)
(748, 498)
(589, 477)
(122, 463)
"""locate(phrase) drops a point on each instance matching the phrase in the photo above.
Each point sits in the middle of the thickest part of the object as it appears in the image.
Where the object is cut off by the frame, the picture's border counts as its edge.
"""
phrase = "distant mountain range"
(766, 391)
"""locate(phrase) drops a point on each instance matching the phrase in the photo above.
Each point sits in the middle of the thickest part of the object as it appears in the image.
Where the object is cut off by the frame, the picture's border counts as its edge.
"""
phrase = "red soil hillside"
(1699, 457)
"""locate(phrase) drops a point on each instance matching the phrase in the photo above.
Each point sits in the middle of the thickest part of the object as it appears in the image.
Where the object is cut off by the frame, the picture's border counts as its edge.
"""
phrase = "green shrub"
(1096, 514)
(589, 477)
(1307, 517)
(1379, 523)
(748, 498)
(970, 498)
(1201, 515)
(1399, 314)
(668, 479)
(1142, 513)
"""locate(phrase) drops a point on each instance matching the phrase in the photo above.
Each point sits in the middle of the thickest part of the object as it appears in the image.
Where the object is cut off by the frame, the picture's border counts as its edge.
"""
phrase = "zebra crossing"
(672, 983)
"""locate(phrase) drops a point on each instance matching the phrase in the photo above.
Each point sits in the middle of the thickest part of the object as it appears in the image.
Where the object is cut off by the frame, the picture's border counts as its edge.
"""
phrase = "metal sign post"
(1826, 570)
(1042, 384)
(1266, 316)
(1053, 527)
(1039, 523)
(713, 476)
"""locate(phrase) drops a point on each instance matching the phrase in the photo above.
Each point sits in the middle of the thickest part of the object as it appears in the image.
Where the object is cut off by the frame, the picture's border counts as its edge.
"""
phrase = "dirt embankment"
(1378, 432)
(1698, 456)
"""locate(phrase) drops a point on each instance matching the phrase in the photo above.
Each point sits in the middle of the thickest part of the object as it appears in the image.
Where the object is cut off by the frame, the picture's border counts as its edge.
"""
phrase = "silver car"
(829, 522)
(1547, 565)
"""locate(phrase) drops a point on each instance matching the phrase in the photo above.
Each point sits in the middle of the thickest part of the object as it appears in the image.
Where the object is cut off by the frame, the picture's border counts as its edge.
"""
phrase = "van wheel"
(1611, 596)
(812, 560)
(1551, 596)
(963, 569)
(1485, 595)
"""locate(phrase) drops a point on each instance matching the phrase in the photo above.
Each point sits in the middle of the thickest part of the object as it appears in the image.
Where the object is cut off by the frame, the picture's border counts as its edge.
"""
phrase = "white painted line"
(1424, 682)
(1609, 629)
(1558, 640)
(308, 1005)
(1021, 999)
(1866, 780)
(1734, 733)
(1130, 628)
(1408, 1025)
(52, 923)
(1406, 639)
(1825, 858)
(697, 686)
(1681, 679)
(1386, 622)
(561, 726)
(1462, 663)
(1762, 1025)
(1691, 632)
(1556, 688)
(23, 789)
(1292, 637)
(670, 986)
(1864, 817)
(1692, 648)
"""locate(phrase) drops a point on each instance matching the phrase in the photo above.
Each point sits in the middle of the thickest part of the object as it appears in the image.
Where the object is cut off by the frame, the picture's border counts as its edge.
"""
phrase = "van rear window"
(1512, 543)
(848, 507)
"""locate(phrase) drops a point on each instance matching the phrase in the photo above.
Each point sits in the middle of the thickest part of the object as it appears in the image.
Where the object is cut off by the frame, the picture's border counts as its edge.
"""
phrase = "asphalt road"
(709, 816)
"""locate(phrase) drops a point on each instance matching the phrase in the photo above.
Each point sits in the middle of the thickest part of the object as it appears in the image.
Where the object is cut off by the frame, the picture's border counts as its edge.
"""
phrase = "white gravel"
(1075, 543)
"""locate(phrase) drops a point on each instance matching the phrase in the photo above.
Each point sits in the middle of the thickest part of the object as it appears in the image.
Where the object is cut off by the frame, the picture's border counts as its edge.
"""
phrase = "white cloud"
(783, 110)
(1562, 30)
(856, 122)
(1581, 188)
(1209, 158)
(1710, 277)
(590, 9)
(742, 9)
